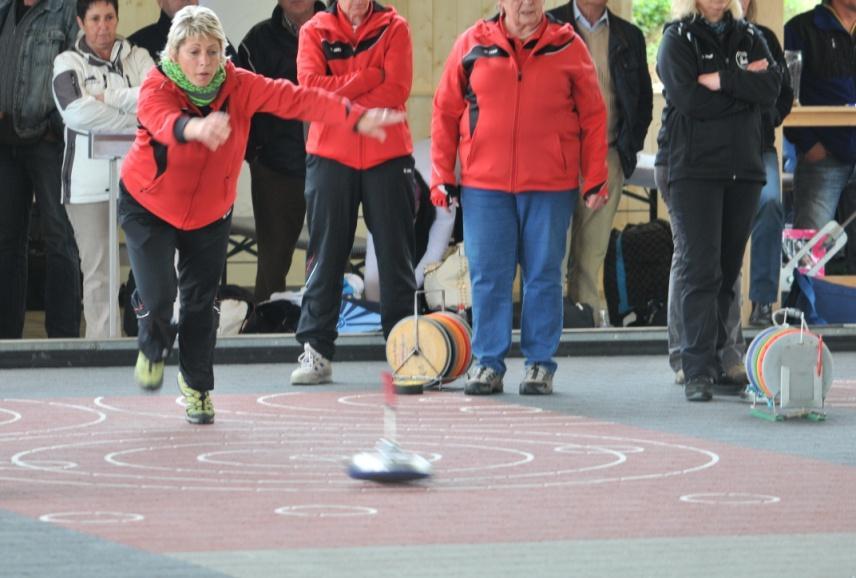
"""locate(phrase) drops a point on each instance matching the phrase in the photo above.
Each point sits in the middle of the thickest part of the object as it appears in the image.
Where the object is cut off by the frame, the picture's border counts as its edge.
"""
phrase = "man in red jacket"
(360, 50)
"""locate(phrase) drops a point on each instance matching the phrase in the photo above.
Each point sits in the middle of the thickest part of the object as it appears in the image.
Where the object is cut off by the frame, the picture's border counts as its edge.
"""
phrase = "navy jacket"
(828, 77)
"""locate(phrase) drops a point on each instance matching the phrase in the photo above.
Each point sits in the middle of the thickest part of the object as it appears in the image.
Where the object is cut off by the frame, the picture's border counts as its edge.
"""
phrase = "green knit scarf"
(198, 95)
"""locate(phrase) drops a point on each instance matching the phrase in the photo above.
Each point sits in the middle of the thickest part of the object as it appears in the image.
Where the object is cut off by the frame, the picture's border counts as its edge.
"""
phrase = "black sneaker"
(482, 380)
(732, 381)
(698, 388)
(762, 315)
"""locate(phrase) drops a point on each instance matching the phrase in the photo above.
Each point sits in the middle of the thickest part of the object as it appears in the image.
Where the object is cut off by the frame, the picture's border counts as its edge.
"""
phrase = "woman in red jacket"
(519, 103)
(179, 184)
(361, 50)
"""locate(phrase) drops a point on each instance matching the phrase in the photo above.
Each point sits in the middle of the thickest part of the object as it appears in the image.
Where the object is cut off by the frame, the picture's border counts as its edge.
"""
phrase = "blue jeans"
(818, 189)
(500, 231)
(25, 169)
(766, 251)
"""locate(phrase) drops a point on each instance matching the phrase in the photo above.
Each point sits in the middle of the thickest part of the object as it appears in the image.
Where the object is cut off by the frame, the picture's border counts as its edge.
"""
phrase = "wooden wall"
(134, 14)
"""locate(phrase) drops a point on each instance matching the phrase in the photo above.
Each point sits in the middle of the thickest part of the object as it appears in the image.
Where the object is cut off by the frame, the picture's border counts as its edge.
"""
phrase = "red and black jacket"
(534, 125)
(184, 183)
(372, 66)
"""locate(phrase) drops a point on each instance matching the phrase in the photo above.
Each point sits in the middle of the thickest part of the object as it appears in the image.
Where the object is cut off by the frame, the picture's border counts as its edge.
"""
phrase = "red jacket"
(184, 183)
(373, 66)
(517, 128)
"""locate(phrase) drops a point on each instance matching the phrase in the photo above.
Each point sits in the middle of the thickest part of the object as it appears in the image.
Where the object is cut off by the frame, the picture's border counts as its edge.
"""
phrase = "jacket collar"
(826, 19)
(49, 5)
(119, 48)
(380, 16)
(491, 30)
(277, 18)
(225, 91)
(603, 20)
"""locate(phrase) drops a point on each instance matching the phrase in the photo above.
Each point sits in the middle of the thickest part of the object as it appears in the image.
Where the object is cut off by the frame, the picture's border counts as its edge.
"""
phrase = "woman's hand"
(212, 130)
(759, 65)
(816, 153)
(445, 196)
(596, 197)
(372, 122)
(710, 81)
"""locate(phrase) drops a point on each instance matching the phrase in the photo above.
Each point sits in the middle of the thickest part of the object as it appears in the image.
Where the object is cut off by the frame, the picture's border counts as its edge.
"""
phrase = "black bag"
(277, 316)
(636, 274)
(129, 318)
(577, 315)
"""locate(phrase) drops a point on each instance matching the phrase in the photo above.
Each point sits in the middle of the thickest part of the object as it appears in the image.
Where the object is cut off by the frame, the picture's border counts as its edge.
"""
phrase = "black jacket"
(153, 38)
(269, 48)
(774, 115)
(715, 134)
(771, 118)
(628, 68)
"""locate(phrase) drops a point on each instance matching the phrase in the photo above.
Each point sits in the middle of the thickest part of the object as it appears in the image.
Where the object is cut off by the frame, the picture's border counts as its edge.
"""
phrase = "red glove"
(445, 195)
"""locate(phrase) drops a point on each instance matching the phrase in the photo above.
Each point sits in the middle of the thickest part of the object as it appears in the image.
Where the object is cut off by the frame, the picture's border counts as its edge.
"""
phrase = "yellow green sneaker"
(199, 409)
(148, 374)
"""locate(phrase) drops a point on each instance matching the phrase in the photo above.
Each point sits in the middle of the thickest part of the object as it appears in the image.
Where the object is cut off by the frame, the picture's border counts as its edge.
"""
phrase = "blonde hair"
(684, 8)
(194, 22)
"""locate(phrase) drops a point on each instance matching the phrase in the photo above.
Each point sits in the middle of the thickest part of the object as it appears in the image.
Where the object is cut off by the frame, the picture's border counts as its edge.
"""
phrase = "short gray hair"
(194, 22)
(684, 8)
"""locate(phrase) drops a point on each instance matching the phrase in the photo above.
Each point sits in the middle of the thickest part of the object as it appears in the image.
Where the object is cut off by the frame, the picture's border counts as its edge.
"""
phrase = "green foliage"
(794, 7)
(650, 16)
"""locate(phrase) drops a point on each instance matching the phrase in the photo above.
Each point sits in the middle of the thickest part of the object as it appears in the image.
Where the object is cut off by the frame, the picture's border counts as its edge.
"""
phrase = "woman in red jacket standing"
(519, 103)
(361, 50)
(179, 184)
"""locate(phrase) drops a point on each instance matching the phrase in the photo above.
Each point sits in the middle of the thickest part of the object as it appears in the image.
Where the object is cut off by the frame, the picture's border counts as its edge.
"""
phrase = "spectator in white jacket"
(95, 85)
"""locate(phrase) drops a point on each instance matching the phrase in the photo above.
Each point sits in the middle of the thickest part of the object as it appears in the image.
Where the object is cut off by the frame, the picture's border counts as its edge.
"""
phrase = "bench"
(242, 239)
(643, 177)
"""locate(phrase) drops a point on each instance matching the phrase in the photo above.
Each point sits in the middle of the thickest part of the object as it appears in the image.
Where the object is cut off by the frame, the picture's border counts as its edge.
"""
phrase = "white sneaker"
(537, 381)
(314, 368)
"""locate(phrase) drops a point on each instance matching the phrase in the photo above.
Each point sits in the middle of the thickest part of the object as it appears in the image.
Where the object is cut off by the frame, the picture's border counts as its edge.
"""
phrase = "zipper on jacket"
(514, 155)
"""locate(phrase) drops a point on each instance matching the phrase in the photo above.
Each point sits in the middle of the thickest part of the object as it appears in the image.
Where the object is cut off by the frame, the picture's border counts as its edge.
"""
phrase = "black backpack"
(636, 274)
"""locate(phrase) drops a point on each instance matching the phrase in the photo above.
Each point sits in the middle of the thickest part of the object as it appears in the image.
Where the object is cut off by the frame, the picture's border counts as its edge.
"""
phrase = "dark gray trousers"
(279, 206)
(732, 350)
(712, 221)
(334, 193)
(152, 244)
(24, 170)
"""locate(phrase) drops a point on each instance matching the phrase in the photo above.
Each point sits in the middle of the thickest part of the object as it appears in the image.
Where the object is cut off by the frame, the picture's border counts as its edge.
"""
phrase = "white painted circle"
(325, 511)
(598, 449)
(52, 464)
(731, 499)
(91, 518)
(500, 410)
(13, 416)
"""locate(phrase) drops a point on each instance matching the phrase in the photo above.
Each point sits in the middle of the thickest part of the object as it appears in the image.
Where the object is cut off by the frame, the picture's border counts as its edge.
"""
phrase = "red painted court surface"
(269, 475)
